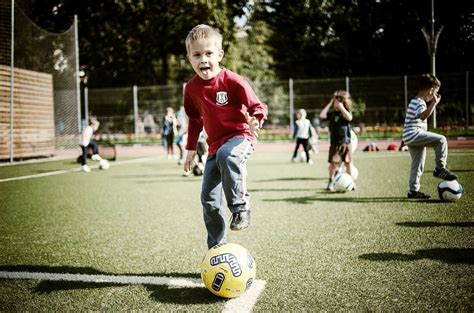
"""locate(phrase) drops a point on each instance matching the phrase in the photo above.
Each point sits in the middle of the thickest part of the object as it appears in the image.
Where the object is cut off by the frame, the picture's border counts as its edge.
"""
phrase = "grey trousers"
(225, 174)
(417, 150)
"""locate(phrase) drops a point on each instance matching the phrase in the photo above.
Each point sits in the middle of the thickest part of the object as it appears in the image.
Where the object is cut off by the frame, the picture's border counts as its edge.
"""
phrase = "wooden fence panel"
(33, 114)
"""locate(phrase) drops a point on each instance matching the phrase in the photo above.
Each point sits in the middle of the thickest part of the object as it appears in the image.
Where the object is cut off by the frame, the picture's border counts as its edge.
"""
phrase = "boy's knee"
(207, 197)
(443, 140)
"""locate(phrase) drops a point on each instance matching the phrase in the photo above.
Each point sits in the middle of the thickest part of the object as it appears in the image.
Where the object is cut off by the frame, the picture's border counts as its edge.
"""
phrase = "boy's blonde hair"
(93, 120)
(301, 113)
(203, 31)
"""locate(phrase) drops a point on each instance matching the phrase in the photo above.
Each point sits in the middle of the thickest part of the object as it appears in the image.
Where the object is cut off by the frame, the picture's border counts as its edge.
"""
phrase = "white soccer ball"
(343, 182)
(228, 270)
(449, 190)
(104, 164)
(354, 172)
(302, 156)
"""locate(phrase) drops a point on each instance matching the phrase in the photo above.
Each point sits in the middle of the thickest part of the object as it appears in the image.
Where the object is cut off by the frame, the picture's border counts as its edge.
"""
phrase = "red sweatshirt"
(220, 105)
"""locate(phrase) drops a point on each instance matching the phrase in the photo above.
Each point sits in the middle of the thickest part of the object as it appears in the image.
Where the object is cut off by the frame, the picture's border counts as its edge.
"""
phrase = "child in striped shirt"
(417, 137)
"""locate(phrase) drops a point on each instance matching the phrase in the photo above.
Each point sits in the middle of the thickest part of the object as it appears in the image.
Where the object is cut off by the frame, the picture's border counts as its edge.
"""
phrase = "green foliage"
(358, 107)
(316, 38)
(126, 42)
(142, 42)
(249, 56)
(450, 112)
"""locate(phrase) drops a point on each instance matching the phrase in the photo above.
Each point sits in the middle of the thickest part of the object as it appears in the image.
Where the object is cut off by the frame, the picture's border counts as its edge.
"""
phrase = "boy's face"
(433, 91)
(204, 57)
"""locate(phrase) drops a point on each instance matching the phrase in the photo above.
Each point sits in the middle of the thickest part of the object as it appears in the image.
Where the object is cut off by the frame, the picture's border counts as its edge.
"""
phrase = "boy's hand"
(436, 98)
(189, 162)
(337, 105)
(254, 124)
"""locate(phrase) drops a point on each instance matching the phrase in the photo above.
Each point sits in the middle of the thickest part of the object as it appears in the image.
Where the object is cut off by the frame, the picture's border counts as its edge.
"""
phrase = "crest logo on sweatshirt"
(221, 98)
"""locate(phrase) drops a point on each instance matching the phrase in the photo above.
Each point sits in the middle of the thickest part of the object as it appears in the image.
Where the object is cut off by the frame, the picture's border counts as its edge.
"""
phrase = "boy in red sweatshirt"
(226, 106)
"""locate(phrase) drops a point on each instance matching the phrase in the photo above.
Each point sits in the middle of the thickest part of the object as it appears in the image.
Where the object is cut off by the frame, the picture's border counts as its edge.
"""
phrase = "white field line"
(116, 279)
(76, 169)
(244, 303)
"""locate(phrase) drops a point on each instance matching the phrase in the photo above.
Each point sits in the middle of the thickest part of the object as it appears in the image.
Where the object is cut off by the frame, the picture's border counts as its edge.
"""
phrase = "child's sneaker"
(412, 194)
(86, 168)
(240, 220)
(444, 173)
(310, 162)
(331, 187)
(294, 160)
(96, 157)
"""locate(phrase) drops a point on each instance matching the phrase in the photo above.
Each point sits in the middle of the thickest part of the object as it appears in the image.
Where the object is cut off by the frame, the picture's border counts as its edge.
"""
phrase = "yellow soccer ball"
(228, 270)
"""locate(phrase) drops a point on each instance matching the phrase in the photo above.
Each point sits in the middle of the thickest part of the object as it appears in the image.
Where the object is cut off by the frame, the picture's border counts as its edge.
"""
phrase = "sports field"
(132, 238)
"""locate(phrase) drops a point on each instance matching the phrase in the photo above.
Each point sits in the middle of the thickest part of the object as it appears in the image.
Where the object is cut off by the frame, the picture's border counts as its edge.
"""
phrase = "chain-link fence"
(45, 112)
(135, 113)
(377, 102)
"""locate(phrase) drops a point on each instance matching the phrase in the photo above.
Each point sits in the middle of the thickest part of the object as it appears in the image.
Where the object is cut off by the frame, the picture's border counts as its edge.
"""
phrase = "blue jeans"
(95, 150)
(417, 150)
(225, 174)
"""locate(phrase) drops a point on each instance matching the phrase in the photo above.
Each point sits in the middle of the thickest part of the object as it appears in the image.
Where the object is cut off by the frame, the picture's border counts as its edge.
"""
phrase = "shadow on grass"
(165, 294)
(161, 293)
(462, 170)
(189, 179)
(280, 189)
(157, 178)
(447, 255)
(290, 179)
(342, 198)
(435, 224)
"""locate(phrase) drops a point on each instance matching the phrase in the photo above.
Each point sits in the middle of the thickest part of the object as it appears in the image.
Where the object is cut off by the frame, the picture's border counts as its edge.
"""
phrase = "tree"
(125, 42)
(249, 55)
(142, 42)
(315, 38)
(302, 36)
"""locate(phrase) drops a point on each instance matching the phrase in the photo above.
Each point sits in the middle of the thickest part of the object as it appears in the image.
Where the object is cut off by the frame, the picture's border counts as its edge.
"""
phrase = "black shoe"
(331, 186)
(240, 220)
(445, 174)
(418, 195)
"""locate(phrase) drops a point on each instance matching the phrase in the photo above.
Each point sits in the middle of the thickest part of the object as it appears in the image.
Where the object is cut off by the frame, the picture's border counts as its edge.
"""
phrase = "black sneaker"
(331, 186)
(418, 195)
(445, 174)
(240, 220)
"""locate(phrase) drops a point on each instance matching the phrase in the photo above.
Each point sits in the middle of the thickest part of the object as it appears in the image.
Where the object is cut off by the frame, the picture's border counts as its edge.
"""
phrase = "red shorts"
(340, 153)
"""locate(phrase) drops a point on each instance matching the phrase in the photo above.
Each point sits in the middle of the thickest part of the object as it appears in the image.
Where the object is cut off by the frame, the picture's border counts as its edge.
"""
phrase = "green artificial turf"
(370, 249)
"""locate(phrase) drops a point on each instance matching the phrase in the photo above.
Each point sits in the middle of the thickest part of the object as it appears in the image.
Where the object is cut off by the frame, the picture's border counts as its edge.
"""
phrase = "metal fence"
(26, 46)
(377, 101)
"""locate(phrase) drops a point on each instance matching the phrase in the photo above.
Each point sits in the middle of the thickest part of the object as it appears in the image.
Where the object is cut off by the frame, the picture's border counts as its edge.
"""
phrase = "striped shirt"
(413, 123)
